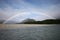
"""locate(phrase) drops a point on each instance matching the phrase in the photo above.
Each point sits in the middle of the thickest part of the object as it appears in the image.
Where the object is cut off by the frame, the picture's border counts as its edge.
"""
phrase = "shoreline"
(27, 24)
(24, 25)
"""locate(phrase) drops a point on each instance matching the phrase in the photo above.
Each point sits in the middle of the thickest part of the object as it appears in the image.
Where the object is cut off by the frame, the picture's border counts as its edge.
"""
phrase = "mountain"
(28, 21)
(51, 21)
(1, 21)
(47, 21)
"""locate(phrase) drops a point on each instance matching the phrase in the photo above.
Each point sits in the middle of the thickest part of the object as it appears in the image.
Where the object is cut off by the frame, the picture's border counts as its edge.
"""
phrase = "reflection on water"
(31, 33)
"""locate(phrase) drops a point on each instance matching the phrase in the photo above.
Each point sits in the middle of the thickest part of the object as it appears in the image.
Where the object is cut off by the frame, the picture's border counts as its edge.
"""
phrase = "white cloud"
(54, 10)
(9, 13)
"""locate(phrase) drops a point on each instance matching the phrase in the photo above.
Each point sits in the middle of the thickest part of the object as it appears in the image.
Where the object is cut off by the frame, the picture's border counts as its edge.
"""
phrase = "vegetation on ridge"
(32, 21)
(47, 21)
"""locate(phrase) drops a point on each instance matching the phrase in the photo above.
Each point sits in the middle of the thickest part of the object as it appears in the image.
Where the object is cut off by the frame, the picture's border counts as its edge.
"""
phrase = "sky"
(14, 11)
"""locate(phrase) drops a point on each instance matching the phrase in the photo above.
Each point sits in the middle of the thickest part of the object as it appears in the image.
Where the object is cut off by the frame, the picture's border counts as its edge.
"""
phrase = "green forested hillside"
(47, 21)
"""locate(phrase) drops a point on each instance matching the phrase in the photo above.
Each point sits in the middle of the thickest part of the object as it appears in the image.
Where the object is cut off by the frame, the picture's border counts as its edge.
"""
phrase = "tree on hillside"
(47, 21)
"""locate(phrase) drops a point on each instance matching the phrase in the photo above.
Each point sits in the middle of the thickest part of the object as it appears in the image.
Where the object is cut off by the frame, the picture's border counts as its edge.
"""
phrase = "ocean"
(29, 32)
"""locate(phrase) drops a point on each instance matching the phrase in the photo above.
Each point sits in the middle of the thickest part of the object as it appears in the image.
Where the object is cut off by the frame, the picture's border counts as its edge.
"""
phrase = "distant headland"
(47, 21)
(32, 21)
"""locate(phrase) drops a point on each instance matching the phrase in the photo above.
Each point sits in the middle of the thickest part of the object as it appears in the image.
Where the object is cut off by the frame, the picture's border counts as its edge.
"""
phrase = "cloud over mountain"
(17, 10)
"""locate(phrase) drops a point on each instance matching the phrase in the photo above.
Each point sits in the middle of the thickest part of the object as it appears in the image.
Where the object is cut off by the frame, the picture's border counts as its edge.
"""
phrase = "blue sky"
(18, 10)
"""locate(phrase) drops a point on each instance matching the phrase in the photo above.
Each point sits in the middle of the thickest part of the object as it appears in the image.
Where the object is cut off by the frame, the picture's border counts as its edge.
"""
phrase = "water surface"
(30, 32)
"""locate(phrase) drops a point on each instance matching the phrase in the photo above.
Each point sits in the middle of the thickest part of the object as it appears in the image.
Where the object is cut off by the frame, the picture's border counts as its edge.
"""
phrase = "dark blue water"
(50, 32)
